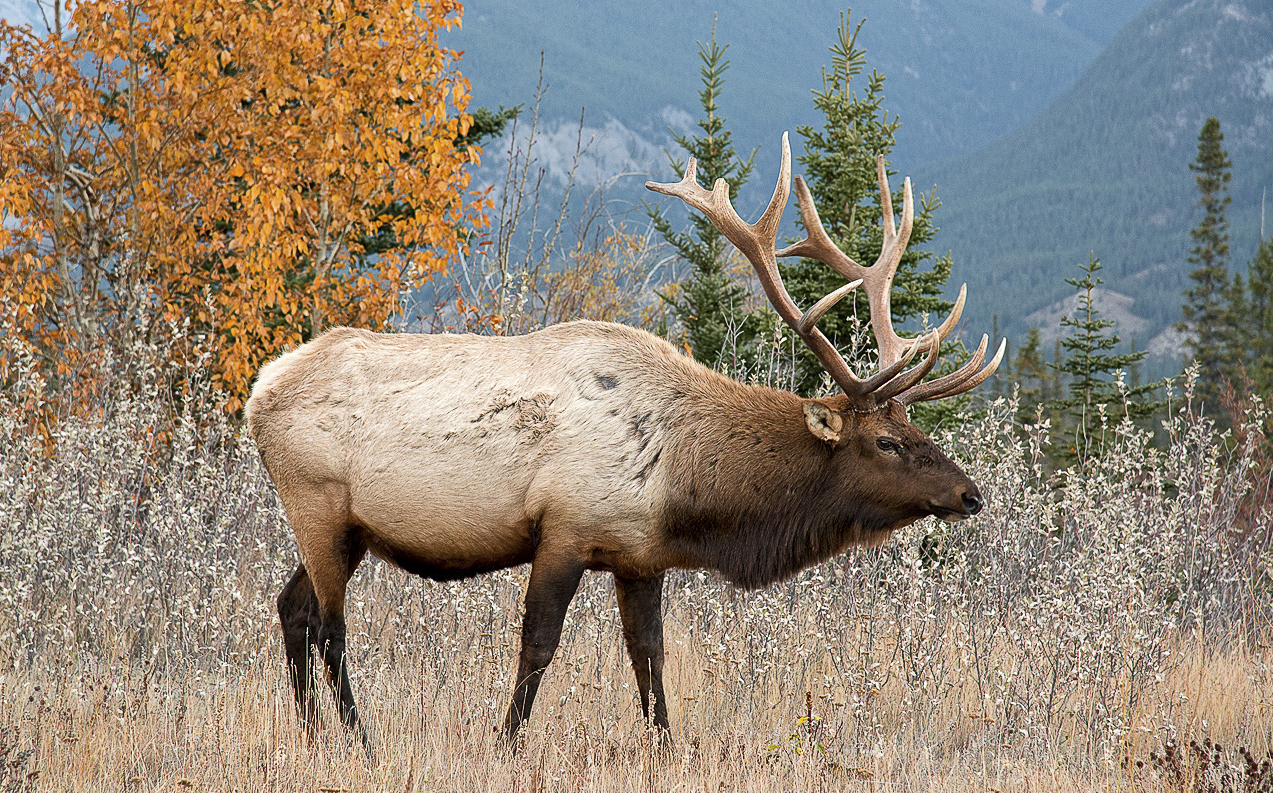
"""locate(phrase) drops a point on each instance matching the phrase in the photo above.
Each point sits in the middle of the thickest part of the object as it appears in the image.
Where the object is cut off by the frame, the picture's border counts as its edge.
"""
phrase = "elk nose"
(973, 502)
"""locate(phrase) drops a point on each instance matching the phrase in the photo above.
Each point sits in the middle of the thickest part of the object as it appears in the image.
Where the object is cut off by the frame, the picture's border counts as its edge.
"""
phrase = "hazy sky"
(19, 11)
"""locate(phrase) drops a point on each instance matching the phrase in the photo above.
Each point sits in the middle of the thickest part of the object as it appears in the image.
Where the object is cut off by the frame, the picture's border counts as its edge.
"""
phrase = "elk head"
(866, 426)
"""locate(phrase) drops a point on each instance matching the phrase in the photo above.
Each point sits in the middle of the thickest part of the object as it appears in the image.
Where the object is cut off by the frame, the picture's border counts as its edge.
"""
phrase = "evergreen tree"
(1053, 389)
(1259, 318)
(839, 162)
(1207, 317)
(1236, 333)
(711, 304)
(1093, 369)
(486, 125)
(1032, 374)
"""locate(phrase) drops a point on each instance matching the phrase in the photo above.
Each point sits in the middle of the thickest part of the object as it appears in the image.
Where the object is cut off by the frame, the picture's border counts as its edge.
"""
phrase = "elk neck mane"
(753, 494)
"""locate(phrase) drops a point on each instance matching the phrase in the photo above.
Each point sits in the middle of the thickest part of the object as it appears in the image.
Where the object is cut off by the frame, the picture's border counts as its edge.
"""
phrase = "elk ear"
(824, 423)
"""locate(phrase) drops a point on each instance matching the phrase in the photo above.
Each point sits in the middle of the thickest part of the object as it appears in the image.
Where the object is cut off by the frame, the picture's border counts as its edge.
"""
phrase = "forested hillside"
(1105, 169)
(960, 72)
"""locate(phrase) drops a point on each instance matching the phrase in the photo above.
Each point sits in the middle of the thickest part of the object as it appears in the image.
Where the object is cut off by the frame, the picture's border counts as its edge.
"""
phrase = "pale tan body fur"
(454, 449)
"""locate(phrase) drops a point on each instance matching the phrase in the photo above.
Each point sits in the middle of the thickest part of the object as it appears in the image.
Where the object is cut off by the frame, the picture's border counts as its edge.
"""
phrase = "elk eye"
(888, 445)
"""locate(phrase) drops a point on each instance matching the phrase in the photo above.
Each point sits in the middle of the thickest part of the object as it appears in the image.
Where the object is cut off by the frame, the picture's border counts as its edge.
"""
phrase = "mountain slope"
(960, 72)
(1104, 169)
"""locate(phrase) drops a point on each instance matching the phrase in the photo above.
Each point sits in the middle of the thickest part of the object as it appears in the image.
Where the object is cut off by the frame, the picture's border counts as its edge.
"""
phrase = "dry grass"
(106, 724)
(1050, 644)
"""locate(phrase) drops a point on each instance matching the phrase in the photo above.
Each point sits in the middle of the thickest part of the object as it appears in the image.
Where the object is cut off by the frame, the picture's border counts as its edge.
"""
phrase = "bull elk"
(596, 446)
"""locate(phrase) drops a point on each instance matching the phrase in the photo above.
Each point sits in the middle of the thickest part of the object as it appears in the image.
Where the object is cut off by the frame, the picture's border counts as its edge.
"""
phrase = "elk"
(596, 446)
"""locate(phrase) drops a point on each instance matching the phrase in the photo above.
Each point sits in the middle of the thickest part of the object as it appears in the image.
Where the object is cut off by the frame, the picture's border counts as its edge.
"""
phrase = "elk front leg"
(553, 581)
(640, 609)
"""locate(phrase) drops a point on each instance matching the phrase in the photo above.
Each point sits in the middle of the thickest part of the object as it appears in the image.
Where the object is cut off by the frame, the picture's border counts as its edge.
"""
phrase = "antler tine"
(946, 327)
(939, 334)
(885, 268)
(756, 242)
(893, 249)
(817, 244)
(965, 379)
(895, 242)
(715, 205)
(878, 278)
(902, 383)
(884, 375)
(891, 233)
(824, 305)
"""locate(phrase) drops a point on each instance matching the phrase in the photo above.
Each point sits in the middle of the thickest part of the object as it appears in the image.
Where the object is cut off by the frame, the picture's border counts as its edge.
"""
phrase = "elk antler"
(878, 280)
(756, 242)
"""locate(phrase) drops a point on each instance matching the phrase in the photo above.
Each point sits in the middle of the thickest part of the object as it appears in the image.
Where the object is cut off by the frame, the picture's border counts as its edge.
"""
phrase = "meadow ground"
(1066, 639)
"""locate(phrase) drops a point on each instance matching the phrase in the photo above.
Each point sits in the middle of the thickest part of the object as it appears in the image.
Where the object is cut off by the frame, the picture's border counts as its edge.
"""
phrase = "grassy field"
(1061, 641)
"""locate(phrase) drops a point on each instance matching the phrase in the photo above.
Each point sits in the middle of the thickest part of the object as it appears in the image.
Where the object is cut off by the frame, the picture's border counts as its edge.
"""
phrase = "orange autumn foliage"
(225, 178)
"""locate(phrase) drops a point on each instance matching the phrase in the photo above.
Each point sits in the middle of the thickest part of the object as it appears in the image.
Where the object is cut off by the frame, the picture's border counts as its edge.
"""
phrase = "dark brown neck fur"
(762, 500)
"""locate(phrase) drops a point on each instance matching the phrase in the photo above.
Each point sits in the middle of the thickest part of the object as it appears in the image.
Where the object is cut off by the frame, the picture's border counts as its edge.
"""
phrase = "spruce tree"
(710, 303)
(839, 166)
(1207, 317)
(1053, 389)
(1236, 332)
(1259, 318)
(1031, 372)
(1092, 368)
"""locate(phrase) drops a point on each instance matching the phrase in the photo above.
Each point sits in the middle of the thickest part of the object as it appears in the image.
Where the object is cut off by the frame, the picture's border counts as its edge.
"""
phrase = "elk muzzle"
(967, 503)
(972, 500)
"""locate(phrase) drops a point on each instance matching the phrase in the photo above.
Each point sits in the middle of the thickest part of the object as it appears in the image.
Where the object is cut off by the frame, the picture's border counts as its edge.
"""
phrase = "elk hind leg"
(640, 610)
(314, 600)
(331, 640)
(298, 613)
